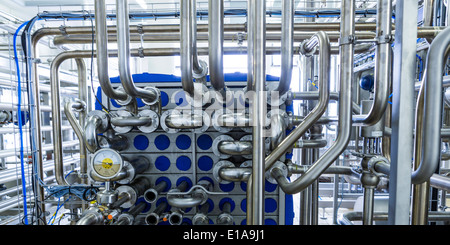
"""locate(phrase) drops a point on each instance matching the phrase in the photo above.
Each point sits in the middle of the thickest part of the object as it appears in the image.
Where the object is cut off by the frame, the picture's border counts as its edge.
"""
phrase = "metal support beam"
(403, 111)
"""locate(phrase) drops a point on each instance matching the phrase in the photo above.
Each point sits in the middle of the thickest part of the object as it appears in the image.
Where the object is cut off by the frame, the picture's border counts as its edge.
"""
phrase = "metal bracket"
(384, 39)
(196, 187)
(63, 30)
(347, 40)
(141, 52)
(140, 29)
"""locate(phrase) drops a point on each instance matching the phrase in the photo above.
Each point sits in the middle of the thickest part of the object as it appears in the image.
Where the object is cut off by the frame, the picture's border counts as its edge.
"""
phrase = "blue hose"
(19, 118)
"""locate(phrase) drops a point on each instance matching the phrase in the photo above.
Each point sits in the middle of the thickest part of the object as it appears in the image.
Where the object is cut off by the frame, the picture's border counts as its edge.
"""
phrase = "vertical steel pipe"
(149, 95)
(404, 71)
(186, 47)
(287, 46)
(432, 109)
(383, 66)
(199, 67)
(102, 53)
(420, 192)
(259, 110)
(216, 40)
(250, 27)
(56, 118)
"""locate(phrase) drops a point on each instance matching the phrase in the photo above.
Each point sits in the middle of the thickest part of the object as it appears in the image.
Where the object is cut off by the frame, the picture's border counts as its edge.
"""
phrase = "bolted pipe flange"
(122, 114)
(278, 165)
(200, 219)
(305, 52)
(154, 101)
(163, 122)
(247, 137)
(215, 146)
(206, 123)
(129, 219)
(229, 97)
(175, 218)
(204, 72)
(125, 102)
(201, 96)
(274, 98)
(103, 117)
(246, 164)
(155, 121)
(130, 173)
(131, 194)
(216, 171)
(215, 123)
(224, 219)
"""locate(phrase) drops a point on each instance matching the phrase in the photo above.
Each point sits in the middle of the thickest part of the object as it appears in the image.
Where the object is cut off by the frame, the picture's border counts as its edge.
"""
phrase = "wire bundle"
(86, 193)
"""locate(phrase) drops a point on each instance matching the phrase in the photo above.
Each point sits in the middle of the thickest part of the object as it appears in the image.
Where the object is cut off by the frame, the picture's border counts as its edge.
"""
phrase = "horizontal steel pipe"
(235, 147)
(131, 121)
(436, 180)
(348, 217)
(234, 120)
(180, 121)
(235, 174)
(310, 144)
(301, 169)
(423, 32)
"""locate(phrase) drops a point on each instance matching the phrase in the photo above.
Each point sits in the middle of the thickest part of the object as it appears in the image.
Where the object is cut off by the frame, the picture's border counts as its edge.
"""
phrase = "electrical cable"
(19, 118)
(26, 37)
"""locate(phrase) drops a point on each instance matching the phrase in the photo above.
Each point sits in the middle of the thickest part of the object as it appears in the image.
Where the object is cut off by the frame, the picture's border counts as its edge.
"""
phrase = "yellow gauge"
(107, 163)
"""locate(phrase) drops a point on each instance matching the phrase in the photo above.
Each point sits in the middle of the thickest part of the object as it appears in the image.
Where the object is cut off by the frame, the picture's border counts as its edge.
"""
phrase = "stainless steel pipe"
(345, 105)
(432, 109)
(216, 50)
(181, 121)
(235, 174)
(56, 112)
(259, 108)
(383, 65)
(235, 148)
(154, 218)
(79, 131)
(320, 39)
(186, 40)
(287, 46)
(131, 121)
(102, 53)
(149, 95)
(151, 195)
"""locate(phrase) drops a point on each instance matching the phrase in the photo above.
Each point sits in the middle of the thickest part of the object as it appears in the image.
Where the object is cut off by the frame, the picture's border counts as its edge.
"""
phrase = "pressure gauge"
(107, 163)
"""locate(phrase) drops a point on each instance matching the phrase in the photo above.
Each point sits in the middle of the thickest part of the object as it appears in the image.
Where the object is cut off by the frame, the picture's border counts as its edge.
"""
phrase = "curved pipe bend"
(322, 40)
(216, 40)
(345, 109)
(149, 95)
(382, 67)
(287, 46)
(432, 109)
(131, 121)
(102, 53)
